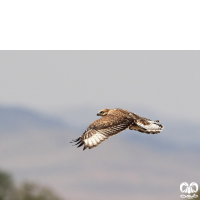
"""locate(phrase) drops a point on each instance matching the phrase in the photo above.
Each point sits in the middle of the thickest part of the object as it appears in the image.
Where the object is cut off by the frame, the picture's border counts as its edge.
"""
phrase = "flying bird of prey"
(114, 121)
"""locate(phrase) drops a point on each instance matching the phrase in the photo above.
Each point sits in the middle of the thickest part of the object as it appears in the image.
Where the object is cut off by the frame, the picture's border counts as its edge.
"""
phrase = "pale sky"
(166, 82)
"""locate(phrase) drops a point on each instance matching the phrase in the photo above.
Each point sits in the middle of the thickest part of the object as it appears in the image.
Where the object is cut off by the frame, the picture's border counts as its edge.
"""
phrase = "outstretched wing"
(145, 125)
(102, 129)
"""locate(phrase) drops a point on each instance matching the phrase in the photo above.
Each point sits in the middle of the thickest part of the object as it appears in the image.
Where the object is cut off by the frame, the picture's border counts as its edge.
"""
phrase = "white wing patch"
(95, 138)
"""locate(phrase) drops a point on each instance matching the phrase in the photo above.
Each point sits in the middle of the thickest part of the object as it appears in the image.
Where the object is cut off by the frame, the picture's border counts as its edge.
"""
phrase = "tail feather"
(147, 126)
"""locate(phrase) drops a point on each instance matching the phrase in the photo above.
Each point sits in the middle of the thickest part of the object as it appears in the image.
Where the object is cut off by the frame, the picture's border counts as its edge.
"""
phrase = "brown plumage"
(114, 121)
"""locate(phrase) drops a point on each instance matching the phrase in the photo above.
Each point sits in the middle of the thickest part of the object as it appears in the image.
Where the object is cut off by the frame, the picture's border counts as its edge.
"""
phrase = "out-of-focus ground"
(132, 165)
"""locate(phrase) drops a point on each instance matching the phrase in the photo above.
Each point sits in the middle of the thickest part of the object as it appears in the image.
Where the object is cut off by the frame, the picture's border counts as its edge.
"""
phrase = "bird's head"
(103, 112)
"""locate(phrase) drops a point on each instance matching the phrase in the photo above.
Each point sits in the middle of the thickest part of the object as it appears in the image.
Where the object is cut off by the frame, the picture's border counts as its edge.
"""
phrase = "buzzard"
(114, 121)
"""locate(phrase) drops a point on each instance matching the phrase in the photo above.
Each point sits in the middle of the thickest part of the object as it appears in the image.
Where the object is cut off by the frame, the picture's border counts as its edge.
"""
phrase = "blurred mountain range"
(20, 119)
(35, 146)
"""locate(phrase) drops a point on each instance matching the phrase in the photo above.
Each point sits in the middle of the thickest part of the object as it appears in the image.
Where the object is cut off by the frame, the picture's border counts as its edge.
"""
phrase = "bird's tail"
(147, 126)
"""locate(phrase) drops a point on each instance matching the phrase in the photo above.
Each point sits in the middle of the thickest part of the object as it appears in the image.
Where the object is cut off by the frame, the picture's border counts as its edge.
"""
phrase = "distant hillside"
(18, 119)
